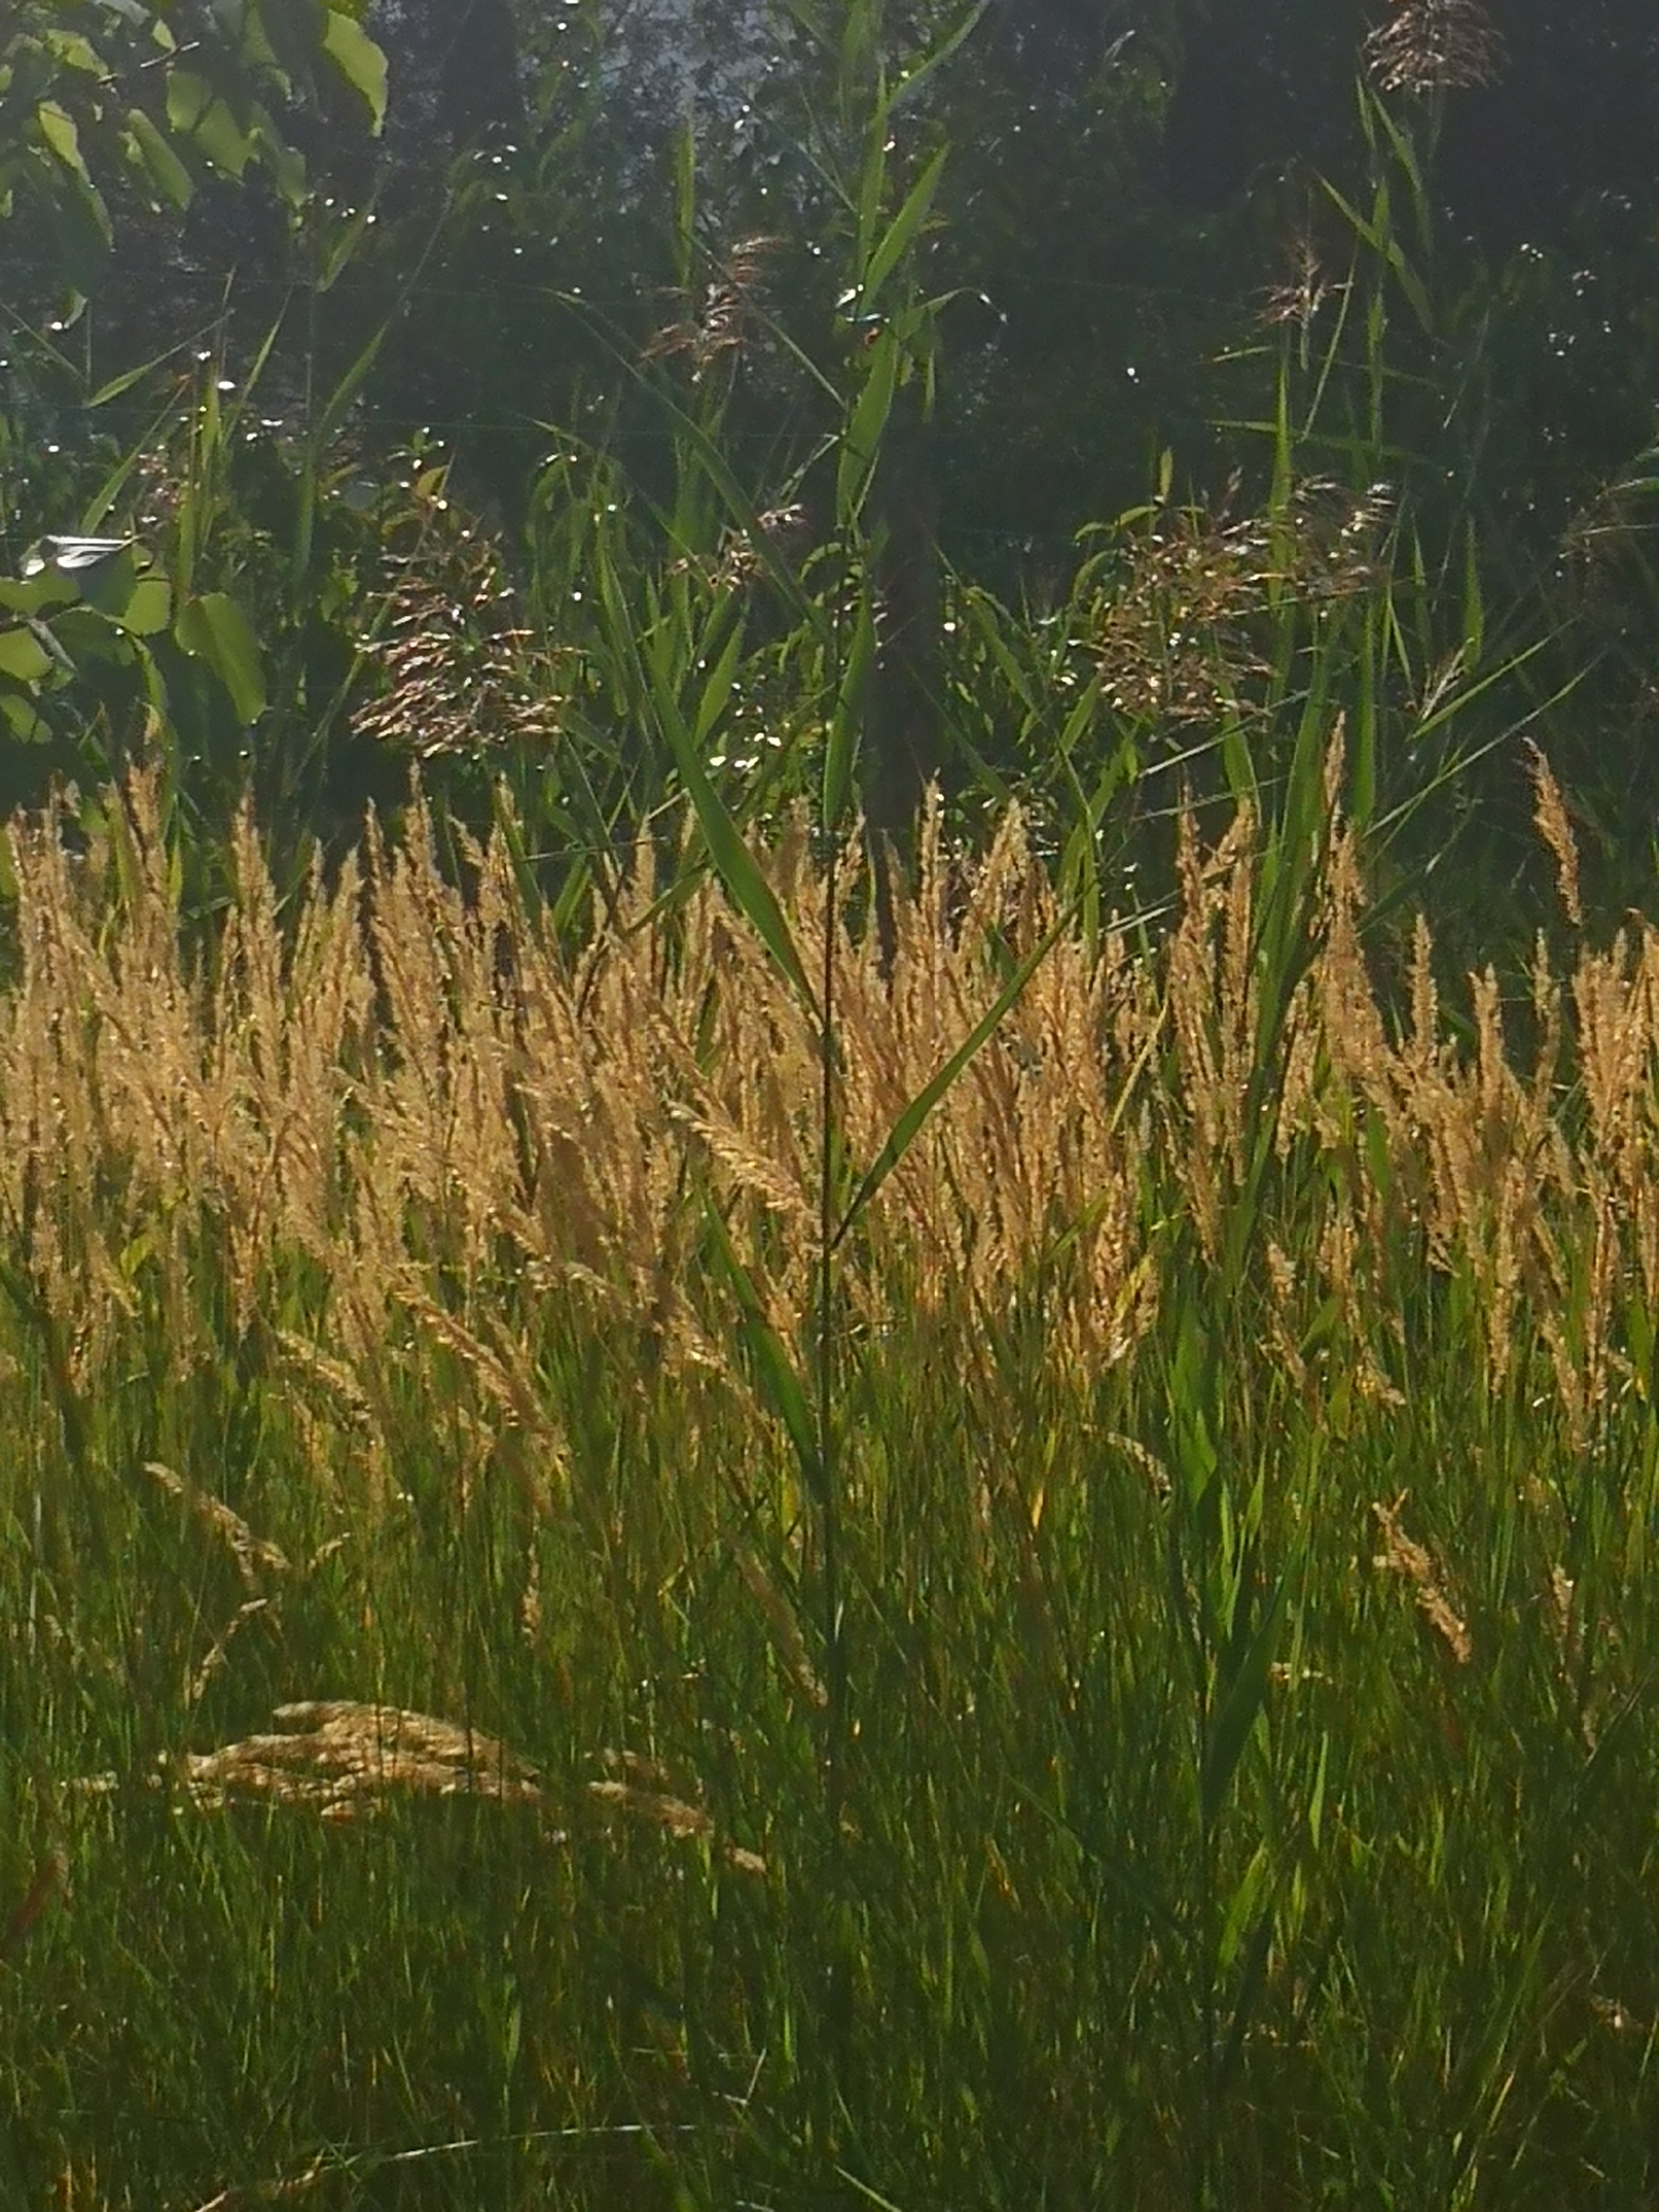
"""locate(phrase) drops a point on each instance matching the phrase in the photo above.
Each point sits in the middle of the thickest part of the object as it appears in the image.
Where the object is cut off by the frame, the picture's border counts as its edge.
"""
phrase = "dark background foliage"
(1124, 178)
(1126, 185)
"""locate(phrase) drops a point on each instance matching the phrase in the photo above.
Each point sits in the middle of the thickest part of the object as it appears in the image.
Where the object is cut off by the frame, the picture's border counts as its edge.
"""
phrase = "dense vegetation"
(827, 1223)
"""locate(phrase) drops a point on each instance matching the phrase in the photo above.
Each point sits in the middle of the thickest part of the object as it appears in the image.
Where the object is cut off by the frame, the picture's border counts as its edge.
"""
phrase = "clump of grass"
(447, 1275)
(341, 1757)
(409, 1087)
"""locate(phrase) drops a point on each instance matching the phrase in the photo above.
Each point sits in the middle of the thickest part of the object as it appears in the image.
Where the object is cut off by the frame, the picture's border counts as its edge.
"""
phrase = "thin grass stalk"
(837, 1670)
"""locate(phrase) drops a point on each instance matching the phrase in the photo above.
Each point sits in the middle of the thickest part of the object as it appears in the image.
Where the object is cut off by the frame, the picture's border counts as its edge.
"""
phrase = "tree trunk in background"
(903, 731)
(454, 80)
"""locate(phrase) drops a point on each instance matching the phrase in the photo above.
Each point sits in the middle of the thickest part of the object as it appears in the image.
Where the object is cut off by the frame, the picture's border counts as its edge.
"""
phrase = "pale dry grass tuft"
(343, 1759)
(253, 1555)
(1551, 815)
(783, 1623)
(463, 1135)
(1404, 1556)
(346, 1761)
(643, 1789)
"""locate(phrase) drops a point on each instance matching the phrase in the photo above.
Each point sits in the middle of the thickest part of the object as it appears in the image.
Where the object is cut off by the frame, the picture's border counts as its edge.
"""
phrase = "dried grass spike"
(341, 1757)
(250, 1552)
(1404, 1556)
(1550, 813)
(653, 1806)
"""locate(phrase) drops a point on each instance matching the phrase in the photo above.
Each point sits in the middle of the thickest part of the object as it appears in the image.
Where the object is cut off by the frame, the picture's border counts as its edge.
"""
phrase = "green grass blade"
(735, 865)
(901, 233)
(1237, 1715)
(911, 1122)
(781, 1384)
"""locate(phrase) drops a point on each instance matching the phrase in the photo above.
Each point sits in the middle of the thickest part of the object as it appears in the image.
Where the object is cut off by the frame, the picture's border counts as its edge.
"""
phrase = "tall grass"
(703, 1509)
(1243, 1728)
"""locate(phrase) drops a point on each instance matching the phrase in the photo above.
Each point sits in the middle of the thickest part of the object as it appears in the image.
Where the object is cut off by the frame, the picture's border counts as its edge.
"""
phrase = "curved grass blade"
(1236, 1717)
(910, 1123)
(776, 1373)
(902, 231)
(736, 864)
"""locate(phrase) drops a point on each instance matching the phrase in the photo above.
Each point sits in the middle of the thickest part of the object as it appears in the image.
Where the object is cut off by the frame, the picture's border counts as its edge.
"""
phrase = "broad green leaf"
(188, 98)
(81, 226)
(223, 141)
(77, 53)
(22, 720)
(109, 585)
(23, 657)
(27, 596)
(35, 594)
(196, 110)
(285, 163)
(360, 62)
(213, 630)
(150, 151)
(88, 632)
(149, 609)
(56, 127)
